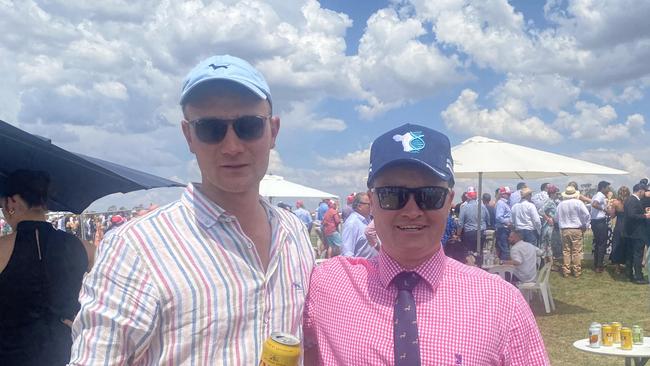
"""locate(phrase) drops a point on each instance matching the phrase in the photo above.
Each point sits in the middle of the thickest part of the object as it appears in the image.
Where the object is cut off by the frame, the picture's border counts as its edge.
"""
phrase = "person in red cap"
(303, 214)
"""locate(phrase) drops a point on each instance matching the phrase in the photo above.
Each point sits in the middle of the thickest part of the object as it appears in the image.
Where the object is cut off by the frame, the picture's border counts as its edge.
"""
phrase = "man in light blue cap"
(204, 280)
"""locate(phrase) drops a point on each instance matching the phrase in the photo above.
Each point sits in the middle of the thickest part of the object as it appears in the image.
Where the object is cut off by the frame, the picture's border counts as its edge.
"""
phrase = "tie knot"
(406, 281)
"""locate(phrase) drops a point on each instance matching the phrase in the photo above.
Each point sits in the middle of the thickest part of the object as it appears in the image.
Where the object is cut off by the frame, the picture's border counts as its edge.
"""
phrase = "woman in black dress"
(40, 276)
(617, 256)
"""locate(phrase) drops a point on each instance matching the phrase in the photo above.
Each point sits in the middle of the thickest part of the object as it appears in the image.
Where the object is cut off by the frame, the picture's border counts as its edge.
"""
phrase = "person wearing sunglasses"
(411, 304)
(204, 280)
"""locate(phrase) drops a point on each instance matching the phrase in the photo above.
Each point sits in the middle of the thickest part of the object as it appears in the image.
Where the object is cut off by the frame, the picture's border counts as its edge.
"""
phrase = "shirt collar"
(359, 216)
(431, 270)
(207, 212)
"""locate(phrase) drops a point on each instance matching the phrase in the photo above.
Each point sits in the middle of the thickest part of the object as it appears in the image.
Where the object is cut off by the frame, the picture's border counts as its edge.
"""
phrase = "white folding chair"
(504, 271)
(542, 286)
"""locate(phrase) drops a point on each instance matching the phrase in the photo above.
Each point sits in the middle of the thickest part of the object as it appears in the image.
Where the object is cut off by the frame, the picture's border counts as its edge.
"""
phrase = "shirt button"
(227, 219)
(249, 245)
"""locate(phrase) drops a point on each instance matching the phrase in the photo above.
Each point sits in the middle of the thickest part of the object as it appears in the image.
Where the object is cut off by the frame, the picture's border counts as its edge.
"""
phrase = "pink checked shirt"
(465, 315)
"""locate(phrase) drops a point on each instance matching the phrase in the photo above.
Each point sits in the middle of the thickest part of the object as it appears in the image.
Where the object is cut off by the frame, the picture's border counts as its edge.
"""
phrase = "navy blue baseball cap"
(412, 144)
(229, 68)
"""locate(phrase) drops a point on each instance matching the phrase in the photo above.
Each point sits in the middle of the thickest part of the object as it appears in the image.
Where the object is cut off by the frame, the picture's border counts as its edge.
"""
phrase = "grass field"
(604, 297)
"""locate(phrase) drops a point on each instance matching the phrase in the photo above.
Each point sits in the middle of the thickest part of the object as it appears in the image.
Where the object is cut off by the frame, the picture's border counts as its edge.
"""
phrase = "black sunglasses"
(211, 130)
(427, 198)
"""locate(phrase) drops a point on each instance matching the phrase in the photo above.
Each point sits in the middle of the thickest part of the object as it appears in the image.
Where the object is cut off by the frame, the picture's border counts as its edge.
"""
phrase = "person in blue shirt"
(354, 242)
(303, 215)
(322, 209)
(503, 223)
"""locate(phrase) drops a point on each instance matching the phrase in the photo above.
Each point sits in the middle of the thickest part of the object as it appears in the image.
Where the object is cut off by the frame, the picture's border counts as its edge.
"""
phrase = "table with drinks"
(615, 340)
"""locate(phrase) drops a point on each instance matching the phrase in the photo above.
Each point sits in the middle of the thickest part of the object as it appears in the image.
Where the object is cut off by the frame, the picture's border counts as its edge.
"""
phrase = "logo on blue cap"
(412, 141)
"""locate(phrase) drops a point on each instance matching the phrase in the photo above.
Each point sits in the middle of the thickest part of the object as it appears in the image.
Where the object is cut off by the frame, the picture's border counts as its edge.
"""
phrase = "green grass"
(604, 297)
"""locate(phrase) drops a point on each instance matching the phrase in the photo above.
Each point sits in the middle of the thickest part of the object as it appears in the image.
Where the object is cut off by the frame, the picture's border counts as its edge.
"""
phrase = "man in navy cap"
(206, 279)
(411, 304)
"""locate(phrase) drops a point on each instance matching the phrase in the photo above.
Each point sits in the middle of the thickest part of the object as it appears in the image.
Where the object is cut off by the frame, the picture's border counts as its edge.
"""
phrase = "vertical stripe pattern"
(184, 286)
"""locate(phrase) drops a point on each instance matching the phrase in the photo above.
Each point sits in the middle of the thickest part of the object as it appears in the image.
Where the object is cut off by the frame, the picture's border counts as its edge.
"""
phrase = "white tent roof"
(498, 159)
(277, 186)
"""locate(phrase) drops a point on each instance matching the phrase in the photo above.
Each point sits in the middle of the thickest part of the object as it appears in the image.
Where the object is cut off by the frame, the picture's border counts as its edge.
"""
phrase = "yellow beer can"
(626, 338)
(616, 328)
(280, 349)
(608, 335)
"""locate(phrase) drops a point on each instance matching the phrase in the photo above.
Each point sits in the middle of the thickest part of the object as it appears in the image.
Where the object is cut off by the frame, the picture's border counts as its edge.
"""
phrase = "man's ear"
(275, 128)
(187, 132)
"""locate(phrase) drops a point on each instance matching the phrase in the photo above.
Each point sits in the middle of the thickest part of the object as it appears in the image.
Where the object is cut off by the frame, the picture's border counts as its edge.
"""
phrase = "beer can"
(616, 328)
(280, 349)
(626, 338)
(608, 335)
(594, 336)
(637, 334)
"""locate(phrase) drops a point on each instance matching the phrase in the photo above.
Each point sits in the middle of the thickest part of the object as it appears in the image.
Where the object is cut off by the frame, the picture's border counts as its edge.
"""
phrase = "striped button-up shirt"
(184, 286)
(465, 316)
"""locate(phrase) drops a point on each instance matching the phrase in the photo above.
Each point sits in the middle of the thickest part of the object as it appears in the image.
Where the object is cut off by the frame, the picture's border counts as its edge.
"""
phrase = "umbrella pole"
(479, 201)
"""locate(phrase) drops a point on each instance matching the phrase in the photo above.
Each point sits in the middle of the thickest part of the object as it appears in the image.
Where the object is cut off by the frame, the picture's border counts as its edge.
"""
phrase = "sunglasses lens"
(249, 128)
(427, 198)
(430, 198)
(211, 130)
(392, 198)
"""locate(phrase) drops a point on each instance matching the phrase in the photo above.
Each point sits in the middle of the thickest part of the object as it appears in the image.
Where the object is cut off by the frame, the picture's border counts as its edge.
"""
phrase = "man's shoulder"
(473, 280)
(342, 270)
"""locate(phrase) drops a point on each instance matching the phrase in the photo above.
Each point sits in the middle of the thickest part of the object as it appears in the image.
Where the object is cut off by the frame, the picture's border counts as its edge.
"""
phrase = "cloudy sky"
(103, 77)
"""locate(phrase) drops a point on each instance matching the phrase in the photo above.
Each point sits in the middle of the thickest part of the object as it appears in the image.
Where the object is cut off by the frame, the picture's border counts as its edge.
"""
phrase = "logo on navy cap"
(412, 142)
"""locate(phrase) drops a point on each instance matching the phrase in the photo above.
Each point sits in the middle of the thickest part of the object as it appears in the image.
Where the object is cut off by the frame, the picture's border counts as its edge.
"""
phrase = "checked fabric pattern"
(405, 326)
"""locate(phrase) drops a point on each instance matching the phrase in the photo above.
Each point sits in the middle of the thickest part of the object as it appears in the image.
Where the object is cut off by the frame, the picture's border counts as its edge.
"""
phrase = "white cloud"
(300, 116)
(551, 92)
(599, 123)
(394, 67)
(510, 119)
(111, 89)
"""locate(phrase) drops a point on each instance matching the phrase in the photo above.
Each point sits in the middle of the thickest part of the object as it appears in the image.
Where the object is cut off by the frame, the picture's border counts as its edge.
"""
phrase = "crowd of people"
(208, 278)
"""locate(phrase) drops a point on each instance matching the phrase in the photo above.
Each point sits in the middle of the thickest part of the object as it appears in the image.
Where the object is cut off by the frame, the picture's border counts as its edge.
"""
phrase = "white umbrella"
(483, 157)
(498, 159)
(276, 186)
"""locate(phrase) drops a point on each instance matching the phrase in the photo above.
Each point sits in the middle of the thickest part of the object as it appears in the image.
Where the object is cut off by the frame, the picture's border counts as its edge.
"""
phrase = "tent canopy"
(498, 159)
(481, 157)
(276, 186)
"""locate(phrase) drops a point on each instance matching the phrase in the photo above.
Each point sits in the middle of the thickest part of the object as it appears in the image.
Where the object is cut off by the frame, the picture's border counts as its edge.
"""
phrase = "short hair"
(357, 199)
(521, 185)
(486, 197)
(602, 185)
(637, 187)
(30, 185)
(543, 186)
(573, 184)
(518, 233)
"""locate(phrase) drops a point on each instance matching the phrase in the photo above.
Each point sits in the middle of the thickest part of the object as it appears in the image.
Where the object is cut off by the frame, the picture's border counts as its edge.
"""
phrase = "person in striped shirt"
(411, 304)
(206, 279)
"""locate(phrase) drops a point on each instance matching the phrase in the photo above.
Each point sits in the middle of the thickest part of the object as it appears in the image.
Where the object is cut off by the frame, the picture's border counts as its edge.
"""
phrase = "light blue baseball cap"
(226, 67)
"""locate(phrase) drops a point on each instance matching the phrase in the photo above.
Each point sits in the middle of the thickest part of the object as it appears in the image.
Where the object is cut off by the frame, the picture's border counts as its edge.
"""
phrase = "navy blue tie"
(405, 326)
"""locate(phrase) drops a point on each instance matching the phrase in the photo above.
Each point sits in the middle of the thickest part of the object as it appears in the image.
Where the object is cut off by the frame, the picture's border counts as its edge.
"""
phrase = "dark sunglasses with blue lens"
(427, 198)
(212, 130)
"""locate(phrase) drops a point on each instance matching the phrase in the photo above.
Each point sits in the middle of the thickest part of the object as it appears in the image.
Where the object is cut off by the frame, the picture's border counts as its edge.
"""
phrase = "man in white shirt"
(572, 217)
(599, 225)
(525, 217)
(524, 257)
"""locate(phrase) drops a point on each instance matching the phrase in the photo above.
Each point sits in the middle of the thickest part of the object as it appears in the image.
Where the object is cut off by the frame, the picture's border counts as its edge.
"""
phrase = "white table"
(639, 353)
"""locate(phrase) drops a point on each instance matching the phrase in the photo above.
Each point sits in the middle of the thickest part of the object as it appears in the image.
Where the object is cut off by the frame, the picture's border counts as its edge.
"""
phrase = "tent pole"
(479, 201)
